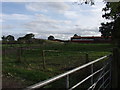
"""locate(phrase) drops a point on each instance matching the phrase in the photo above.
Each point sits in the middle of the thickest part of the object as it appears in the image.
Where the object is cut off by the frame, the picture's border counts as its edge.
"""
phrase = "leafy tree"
(28, 38)
(10, 38)
(4, 38)
(112, 12)
(21, 40)
(75, 35)
(106, 29)
(51, 37)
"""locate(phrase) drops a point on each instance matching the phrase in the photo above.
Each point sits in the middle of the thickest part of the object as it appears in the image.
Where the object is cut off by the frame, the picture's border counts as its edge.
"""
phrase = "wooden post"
(19, 54)
(110, 58)
(3, 52)
(115, 69)
(86, 57)
(21, 51)
(92, 78)
(43, 55)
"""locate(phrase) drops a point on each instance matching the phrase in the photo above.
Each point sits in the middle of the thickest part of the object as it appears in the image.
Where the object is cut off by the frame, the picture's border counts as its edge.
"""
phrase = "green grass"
(29, 75)
(31, 66)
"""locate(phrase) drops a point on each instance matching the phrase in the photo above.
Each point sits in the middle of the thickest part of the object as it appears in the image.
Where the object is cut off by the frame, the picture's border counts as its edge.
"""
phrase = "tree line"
(27, 39)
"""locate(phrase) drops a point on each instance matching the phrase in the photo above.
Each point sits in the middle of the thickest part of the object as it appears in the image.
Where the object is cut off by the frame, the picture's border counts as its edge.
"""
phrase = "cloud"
(85, 21)
(56, 0)
(71, 14)
(48, 6)
(46, 26)
(87, 32)
(13, 23)
(16, 35)
(1, 19)
(78, 20)
(16, 17)
(39, 0)
(7, 27)
(86, 16)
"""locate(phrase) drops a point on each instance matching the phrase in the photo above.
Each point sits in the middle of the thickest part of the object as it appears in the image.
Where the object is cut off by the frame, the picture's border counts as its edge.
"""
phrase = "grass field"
(24, 62)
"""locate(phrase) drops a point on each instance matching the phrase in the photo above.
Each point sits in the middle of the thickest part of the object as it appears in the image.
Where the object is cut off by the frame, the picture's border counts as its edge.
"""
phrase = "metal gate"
(104, 75)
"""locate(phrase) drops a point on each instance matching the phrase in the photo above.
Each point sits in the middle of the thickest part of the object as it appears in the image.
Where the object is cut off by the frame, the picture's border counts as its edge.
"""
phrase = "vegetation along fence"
(98, 77)
(47, 59)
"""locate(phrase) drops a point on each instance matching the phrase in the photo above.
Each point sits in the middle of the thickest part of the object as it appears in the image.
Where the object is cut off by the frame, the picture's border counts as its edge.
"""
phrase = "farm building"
(92, 39)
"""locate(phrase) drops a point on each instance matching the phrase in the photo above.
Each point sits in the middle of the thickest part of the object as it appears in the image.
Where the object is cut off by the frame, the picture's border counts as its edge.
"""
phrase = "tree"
(10, 38)
(106, 29)
(75, 35)
(4, 38)
(28, 38)
(112, 12)
(21, 40)
(51, 37)
(80, 2)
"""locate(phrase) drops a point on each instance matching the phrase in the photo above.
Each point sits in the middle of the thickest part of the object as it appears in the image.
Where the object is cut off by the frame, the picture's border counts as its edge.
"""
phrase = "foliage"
(51, 37)
(28, 38)
(80, 2)
(106, 29)
(8, 39)
(4, 38)
(75, 35)
(112, 13)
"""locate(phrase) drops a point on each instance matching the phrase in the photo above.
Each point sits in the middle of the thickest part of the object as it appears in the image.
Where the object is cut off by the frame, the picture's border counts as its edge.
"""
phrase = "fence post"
(87, 60)
(92, 73)
(43, 55)
(19, 54)
(86, 57)
(67, 82)
(110, 58)
(103, 87)
(115, 68)
(4, 52)
(91, 68)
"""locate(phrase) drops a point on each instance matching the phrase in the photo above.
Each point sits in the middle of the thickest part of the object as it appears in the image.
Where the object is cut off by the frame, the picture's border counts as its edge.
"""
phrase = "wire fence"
(64, 60)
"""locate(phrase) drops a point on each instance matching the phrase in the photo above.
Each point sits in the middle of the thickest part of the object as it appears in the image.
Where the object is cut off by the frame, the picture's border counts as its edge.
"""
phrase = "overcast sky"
(60, 19)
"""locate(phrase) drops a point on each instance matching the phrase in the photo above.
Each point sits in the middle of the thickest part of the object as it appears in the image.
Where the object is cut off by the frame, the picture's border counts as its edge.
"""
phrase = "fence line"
(66, 74)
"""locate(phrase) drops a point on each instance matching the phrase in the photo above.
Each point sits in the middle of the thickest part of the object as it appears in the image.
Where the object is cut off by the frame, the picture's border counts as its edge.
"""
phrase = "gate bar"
(43, 83)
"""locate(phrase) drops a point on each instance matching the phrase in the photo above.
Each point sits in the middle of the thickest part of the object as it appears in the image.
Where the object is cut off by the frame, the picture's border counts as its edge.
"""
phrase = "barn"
(90, 39)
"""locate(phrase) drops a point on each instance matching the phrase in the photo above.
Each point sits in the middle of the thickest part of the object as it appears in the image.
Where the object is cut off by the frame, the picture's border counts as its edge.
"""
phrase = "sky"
(60, 19)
